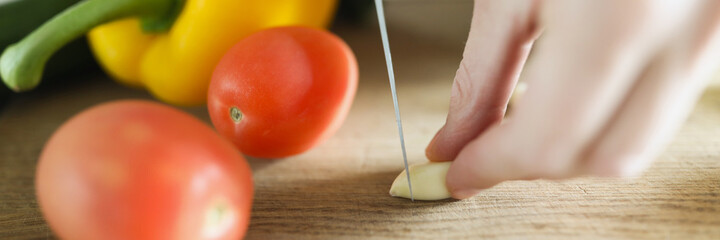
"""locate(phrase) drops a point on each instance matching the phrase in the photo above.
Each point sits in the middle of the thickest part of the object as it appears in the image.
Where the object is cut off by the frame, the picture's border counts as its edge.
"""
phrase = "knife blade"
(391, 78)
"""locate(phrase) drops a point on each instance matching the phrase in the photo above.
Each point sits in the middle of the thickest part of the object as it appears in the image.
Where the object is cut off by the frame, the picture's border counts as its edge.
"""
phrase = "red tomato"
(140, 170)
(281, 91)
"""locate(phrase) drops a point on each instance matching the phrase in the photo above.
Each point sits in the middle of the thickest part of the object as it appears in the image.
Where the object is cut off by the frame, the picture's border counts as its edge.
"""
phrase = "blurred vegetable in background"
(354, 12)
(167, 46)
(20, 17)
(141, 170)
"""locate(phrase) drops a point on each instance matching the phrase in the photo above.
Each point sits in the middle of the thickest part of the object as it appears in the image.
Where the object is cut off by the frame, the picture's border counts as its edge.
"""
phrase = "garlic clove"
(428, 181)
(517, 94)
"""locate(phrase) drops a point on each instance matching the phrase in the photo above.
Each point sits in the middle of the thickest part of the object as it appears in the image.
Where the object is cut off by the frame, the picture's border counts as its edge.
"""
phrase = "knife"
(391, 77)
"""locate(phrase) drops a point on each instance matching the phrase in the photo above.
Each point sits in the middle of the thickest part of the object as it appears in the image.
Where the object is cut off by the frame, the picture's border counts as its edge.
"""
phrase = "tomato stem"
(235, 114)
(218, 218)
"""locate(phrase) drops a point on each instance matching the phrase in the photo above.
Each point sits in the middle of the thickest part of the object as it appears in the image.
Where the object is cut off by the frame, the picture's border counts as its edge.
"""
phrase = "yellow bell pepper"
(167, 46)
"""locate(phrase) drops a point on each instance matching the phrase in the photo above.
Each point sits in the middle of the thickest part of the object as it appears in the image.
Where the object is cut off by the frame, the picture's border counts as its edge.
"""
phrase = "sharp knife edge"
(391, 77)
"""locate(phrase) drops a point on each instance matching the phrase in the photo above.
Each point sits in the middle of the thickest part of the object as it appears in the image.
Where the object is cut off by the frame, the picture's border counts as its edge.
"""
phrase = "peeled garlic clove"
(519, 91)
(428, 181)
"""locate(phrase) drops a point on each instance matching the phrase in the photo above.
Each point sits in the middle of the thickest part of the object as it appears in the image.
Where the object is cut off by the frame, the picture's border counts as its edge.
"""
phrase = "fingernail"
(629, 168)
(464, 194)
(430, 146)
(430, 149)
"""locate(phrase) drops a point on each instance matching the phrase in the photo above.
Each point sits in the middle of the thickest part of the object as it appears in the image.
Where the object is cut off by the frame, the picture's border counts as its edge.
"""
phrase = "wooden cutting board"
(339, 190)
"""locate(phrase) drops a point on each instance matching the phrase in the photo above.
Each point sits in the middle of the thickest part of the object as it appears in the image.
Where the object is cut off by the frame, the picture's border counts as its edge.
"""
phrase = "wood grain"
(339, 190)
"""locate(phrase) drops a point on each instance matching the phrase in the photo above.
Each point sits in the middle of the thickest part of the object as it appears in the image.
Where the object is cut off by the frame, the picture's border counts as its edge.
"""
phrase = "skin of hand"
(609, 83)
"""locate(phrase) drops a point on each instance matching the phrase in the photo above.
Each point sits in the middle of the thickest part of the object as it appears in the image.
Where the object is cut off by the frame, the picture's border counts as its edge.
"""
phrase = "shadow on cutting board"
(334, 206)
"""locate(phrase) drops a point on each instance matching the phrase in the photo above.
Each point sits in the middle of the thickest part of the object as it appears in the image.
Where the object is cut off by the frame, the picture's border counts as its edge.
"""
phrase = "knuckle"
(470, 100)
(462, 87)
(630, 21)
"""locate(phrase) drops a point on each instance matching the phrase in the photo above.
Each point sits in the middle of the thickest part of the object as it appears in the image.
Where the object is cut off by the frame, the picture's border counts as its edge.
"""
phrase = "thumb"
(500, 38)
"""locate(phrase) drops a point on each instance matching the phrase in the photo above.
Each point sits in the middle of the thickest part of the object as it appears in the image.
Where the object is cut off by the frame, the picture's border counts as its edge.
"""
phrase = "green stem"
(21, 64)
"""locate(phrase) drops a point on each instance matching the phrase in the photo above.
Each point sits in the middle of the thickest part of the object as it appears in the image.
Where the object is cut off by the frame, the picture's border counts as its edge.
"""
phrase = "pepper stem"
(21, 65)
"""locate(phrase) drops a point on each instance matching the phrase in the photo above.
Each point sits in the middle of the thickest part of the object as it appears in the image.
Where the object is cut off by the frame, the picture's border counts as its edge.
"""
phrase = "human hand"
(609, 83)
